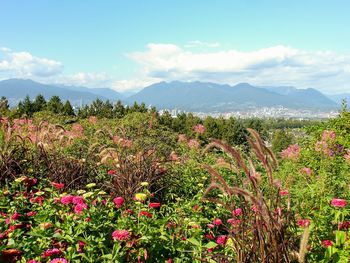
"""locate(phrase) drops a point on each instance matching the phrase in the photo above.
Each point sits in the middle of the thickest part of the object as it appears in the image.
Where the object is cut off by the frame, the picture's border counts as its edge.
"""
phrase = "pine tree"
(55, 105)
(39, 103)
(68, 109)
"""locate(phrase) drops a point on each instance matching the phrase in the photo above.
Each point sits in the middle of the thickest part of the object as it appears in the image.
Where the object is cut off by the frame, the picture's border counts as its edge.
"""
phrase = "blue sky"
(130, 44)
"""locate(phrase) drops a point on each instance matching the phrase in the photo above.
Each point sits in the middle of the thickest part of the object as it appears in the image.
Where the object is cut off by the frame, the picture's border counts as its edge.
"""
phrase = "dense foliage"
(139, 187)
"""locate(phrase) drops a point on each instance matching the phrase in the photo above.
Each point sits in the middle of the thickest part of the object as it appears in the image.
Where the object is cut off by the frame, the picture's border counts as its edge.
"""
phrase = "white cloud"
(197, 43)
(25, 65)
(277, 65)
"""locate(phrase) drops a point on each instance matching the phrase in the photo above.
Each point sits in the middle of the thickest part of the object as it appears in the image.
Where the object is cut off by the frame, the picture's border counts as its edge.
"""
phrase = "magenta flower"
(303, 222)
(57, 185)
(221, 240)
(78, 209)
(237, 212)
(217, 222)
(51, 252)
(78, 200)
(336, 202)
(326, 243)
(118, 201)
(66, 200)
(234, 222)
(59, 260)
(121, 235)
(154, 205)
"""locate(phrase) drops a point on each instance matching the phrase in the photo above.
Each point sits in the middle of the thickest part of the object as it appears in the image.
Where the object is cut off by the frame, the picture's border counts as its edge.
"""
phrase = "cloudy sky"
(130, 44)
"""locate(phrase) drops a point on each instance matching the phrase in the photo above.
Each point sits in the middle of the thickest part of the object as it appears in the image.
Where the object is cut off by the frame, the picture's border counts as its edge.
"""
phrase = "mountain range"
(189, 96)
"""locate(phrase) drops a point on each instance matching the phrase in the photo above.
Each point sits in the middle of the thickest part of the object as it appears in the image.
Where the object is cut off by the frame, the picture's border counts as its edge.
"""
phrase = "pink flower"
(31, 213)
(118, 201)
(154, 205)
(78, 209)
(182, 138)
(15, 216)
(78, 200)
(234, 222)
(57, 185)
(221, 240)
(209, 236)
(59, 260)
(33, 261)
(284, 192)
(336, 202)
(326, 243)
(328, 135)
(93, 119)
(307, 171)
(68, 199)
(51, 252)
(193, 144)
(199, 128)
(292, 152)
(217, 222)
(120, 235)
(303, 222)
(237, 212)
(210, 226)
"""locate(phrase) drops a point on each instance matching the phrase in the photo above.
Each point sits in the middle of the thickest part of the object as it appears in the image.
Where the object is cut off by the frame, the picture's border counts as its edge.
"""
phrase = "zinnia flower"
(140, 197)
(78, 200)
(303, 222)
(59, 260)
(145, 213)
(154, 205)
(326, 243)
(199, 128)
(31, 213)
(68, 199)
(217, 222)
(57, 185)
(78, 209)
(51, 252)
(118, 201)
(336, 202)
(120, 235)
(234, 222)
(112, 172)
(284, 192)
(237, 212)
(221, 240)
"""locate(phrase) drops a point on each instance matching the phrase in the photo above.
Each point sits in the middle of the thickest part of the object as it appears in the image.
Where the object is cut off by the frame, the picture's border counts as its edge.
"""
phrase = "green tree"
(26, 107)
(68, 109)
(39, 103)
(280, 140)
(55, 105)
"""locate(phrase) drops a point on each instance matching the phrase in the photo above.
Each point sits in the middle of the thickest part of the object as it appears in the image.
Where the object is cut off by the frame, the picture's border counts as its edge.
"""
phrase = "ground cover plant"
(132, 189)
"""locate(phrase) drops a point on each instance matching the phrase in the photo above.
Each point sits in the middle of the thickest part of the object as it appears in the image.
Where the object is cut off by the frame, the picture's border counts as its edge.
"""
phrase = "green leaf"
(211, 244)
(194, 241)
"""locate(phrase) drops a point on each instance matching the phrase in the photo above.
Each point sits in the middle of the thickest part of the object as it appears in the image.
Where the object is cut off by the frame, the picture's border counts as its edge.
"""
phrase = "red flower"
(209, 236)
(145, 213)
(57, 185)
(15, 216)
(336, 202)
(217, 222)
(344, 225)
(210, 226)
(221, 240)
(39, 200)
(154, 205)
(118, 201)
(303, 222)
(112, 172)
(120, 235)
(284, 192)
(51, 252)
(326, 243)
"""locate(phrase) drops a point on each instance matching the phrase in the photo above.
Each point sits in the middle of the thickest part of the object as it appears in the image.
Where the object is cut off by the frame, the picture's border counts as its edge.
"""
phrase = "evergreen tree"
(4, 105)
(26, 107)
(55, 105)
(119, 110)
(39, 103)
(68, 109)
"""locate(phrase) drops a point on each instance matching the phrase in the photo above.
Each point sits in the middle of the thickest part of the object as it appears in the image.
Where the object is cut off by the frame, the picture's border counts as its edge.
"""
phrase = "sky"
(127, 45)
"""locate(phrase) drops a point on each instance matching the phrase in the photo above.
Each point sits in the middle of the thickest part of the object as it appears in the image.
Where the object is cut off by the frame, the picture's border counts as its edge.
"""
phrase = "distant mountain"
(16, 90)
(338, 98)
(200, 96)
